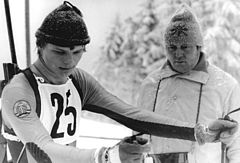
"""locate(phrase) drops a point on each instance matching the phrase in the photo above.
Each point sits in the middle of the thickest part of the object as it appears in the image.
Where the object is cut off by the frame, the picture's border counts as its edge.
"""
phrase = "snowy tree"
(133, 49)
(222, 34)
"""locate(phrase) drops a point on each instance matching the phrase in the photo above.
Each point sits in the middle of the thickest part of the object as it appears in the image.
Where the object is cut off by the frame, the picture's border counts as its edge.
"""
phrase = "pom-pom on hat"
(64, 26)
(183, 27)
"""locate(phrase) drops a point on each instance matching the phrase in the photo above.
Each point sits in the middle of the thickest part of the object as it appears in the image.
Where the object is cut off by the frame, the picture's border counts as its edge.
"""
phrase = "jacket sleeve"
(98, 100)
(233, 102)
(28, 128)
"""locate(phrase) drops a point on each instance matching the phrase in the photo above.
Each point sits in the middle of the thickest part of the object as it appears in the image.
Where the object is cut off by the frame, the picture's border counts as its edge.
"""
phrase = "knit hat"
(183, 27)
(64, 26)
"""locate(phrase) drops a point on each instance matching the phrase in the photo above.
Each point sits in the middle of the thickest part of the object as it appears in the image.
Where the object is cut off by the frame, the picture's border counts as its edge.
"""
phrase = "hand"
(216, 131)
(229, 128)
(131, 149)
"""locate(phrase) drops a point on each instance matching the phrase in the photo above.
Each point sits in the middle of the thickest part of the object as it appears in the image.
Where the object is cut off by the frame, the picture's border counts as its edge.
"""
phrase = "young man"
(43, 103)
(190, 89)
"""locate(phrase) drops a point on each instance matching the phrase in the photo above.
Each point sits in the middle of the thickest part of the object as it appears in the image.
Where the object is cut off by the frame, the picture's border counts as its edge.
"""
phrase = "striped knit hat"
(64, 26)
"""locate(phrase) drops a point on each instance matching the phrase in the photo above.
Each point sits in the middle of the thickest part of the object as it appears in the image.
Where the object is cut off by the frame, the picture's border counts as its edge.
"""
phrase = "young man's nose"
(68, 59)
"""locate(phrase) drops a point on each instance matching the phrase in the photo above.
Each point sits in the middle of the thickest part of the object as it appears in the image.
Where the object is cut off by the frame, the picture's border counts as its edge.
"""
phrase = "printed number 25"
(70, 130)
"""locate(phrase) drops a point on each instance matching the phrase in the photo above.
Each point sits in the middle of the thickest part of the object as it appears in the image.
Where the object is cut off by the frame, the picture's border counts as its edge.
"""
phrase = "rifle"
(10, 69)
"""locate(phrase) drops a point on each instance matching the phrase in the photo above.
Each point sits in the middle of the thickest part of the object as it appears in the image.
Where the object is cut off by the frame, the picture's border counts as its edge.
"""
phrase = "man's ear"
(39, 52)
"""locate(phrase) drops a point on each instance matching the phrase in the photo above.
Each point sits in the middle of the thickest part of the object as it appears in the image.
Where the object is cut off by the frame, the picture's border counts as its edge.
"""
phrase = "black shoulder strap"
(32, 81)
(77, 86)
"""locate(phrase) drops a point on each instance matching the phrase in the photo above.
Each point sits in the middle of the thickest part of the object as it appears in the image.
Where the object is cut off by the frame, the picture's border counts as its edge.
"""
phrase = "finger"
(134, 156)
(141, 140)
(222, 124)
(136, 141)
(230, 129)
(135, 138)
(229, 132)
(127, 138)
(130, 139)
(229, 124)
(138, 160)
(224, 136)
(130, 158)
(226, 139)
(135, 148)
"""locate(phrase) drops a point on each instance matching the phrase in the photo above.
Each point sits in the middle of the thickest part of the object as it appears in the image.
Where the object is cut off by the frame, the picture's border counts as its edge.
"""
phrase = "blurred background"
(126, 43)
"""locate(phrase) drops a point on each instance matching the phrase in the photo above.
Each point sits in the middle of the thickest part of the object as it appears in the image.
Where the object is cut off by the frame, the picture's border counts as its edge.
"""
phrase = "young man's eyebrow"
(58, 49)
(72, 48)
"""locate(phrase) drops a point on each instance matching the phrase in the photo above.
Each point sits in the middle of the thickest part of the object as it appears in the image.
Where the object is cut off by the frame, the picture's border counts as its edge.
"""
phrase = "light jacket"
(202, 95)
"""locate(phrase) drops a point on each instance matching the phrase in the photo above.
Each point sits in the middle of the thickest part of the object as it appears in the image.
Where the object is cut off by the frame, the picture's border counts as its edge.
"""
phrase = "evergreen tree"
(139, 52)
(221, 32)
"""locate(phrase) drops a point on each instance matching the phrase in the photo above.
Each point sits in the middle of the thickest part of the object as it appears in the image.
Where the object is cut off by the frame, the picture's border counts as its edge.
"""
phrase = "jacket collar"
(198, 74)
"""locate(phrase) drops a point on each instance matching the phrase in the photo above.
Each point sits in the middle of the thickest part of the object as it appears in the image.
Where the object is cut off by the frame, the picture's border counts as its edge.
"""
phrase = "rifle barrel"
(10, 32)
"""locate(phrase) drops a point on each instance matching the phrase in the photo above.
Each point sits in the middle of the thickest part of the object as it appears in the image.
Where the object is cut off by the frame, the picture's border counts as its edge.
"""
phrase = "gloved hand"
(218, 130)
(131, 149)
(228, 129)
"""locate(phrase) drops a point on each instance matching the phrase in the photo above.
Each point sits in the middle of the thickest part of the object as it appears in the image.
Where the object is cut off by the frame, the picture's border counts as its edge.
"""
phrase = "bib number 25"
(57, 99)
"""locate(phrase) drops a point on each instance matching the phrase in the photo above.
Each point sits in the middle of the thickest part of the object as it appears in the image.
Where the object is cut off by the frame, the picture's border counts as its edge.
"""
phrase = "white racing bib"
(60, 110)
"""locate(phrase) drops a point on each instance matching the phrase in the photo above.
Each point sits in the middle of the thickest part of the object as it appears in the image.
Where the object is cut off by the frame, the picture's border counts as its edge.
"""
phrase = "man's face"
(62, 60)
(183, 57)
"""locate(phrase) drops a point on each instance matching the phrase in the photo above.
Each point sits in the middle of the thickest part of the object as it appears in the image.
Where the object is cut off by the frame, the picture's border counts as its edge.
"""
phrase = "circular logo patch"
(21, 109)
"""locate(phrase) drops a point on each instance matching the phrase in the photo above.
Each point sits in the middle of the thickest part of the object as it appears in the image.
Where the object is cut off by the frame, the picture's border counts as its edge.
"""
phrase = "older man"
(190, 89)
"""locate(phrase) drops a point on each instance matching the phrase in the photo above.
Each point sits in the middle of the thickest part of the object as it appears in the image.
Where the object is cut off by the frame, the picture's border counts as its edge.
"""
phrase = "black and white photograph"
(110, 81)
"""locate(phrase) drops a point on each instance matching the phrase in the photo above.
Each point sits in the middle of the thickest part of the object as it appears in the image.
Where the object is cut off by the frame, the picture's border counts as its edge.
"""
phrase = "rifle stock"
(10, 69)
